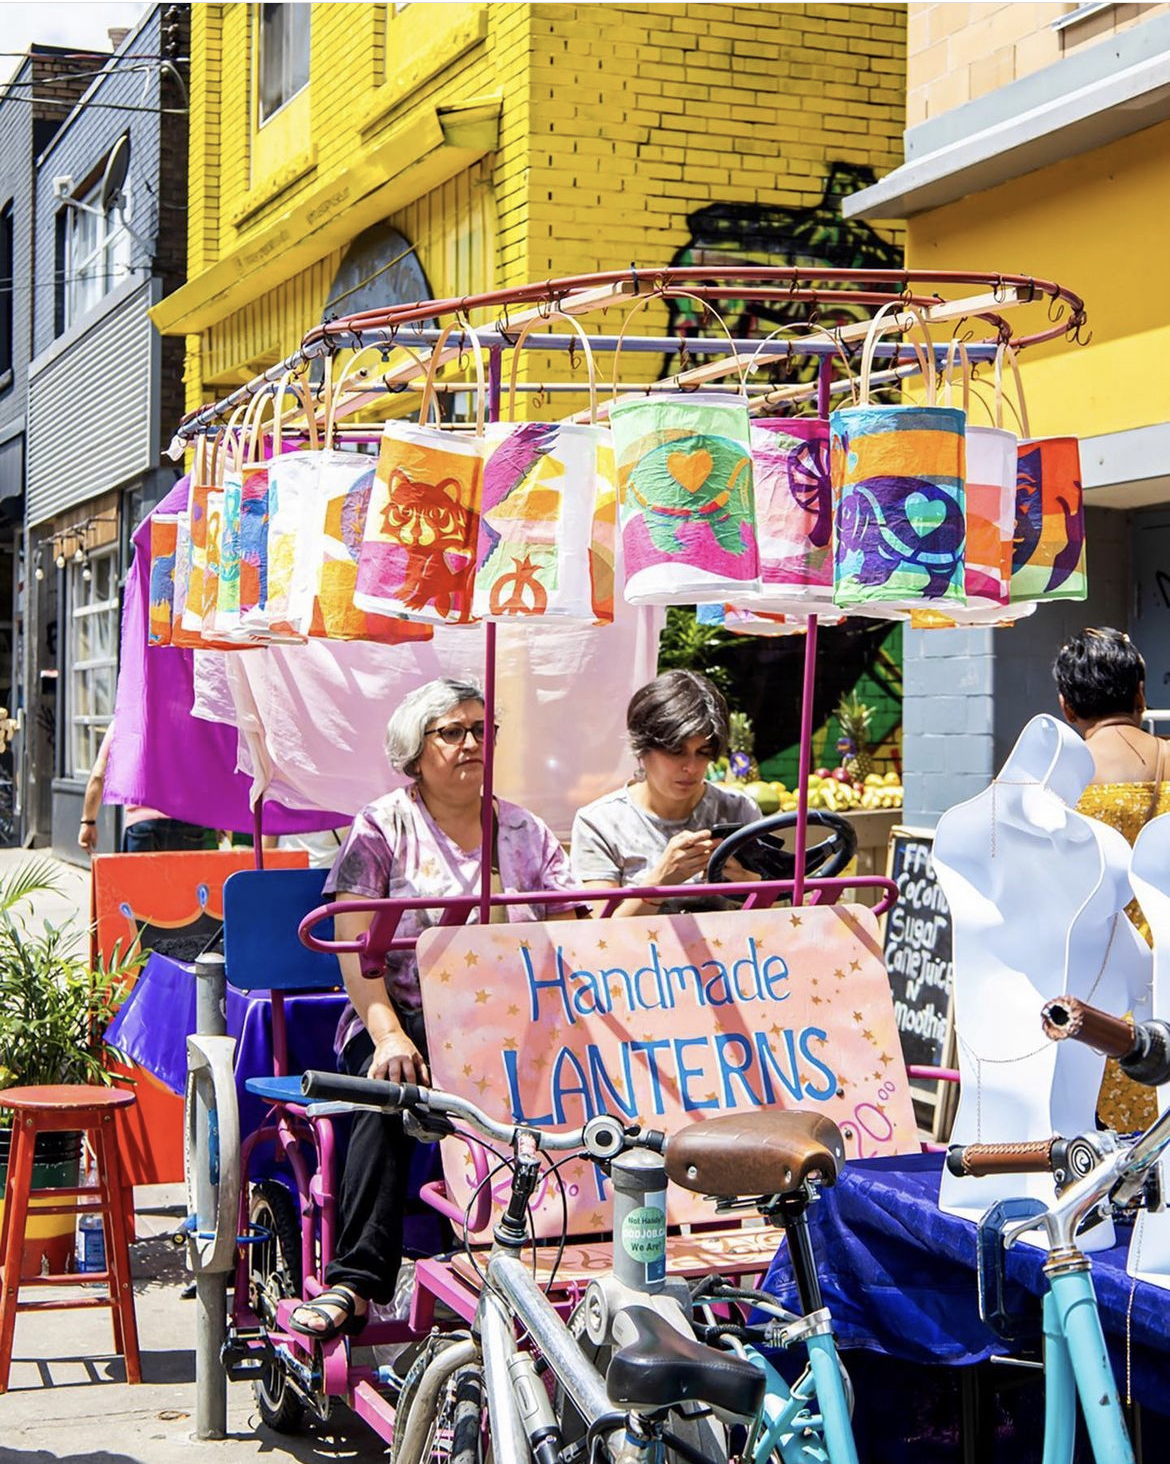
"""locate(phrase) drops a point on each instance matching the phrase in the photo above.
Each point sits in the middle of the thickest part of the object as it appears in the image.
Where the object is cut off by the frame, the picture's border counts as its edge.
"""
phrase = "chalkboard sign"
(917, 949)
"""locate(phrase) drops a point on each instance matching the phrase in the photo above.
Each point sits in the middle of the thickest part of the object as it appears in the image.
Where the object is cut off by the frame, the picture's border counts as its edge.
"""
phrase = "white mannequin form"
(1149, 1250)
(1037, 894)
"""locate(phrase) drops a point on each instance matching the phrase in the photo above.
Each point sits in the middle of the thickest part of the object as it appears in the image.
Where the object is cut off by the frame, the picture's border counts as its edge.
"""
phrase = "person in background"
(321, 846)
(422, 840)
(144, 830)
(656, 829)
(1101, 679)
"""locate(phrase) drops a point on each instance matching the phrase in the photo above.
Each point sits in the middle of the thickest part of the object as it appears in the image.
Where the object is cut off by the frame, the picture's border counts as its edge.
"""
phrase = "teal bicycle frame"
(1076, 1362)
(789, 1423)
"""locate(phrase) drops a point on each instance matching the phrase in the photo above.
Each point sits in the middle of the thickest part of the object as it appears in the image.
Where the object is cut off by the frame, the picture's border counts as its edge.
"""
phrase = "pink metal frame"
(289, 1126)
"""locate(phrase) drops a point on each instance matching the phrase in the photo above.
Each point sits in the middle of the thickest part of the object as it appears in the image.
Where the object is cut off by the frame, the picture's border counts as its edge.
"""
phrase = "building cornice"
(1106, 92)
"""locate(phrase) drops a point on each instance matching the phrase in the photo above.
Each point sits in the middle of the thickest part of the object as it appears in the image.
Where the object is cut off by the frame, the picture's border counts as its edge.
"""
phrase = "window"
(284, 55)
(5, 290)
(95, 252)
(93, 656)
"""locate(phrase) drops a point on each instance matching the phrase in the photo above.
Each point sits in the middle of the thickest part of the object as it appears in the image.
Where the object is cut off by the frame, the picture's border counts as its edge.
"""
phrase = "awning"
(409, 162)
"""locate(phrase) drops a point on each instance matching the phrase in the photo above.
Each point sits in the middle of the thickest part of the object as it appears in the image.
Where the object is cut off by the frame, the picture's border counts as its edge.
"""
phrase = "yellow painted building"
(450, 149)
(1038, 142)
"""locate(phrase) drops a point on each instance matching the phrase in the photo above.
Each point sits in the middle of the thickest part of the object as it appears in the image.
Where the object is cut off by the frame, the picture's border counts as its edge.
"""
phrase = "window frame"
(263, 118)
(82, 608)
(111, 250)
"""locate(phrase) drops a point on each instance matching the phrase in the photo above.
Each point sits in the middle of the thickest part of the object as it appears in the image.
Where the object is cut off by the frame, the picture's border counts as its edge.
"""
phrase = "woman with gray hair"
(421, 840)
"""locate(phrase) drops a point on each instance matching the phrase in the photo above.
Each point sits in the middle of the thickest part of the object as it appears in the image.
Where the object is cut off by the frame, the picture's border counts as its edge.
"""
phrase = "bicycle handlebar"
(977, 1160)
(603, 1137)
(1142, 1049)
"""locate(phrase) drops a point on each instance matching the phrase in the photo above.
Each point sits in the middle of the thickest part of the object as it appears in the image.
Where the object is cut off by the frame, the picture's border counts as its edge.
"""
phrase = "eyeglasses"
(454, 734)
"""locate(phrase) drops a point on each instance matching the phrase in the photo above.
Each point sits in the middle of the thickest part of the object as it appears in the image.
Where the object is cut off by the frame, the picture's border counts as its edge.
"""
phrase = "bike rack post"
(210, 1285)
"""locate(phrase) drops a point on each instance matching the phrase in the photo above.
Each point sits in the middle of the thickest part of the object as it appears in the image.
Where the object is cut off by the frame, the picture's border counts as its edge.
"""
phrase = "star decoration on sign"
(471, 959)
(855, 965)
(651, 935)
(447, 1046)
(867, 1034)
(483, 1084)
(467, 1069)
(776, 1029)
(444, 977)
(816, 1001)
(510, 1045)
(481, 997)
(839, 974)
(796, 920)
(601, 945)
(857, 1017)
(525, 945)
(885, 1059)
(513, 1010)
(717, 945)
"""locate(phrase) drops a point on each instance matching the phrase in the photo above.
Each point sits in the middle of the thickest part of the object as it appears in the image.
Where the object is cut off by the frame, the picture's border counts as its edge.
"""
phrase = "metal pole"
(210, 1286)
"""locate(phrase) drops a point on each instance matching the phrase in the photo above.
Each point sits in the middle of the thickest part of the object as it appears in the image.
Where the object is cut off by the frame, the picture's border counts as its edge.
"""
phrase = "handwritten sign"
(665, 1022)
(918, 949)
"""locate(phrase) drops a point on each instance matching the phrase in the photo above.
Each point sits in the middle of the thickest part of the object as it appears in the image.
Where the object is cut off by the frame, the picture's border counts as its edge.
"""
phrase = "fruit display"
(855, 719)
(834, 791)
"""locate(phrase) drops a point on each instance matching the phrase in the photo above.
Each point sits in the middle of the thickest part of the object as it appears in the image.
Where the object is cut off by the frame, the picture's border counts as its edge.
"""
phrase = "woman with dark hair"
(656, 829)
(1101, 678)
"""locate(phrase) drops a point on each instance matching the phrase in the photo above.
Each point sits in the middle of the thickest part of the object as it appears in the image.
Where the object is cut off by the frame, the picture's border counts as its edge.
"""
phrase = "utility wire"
(84, 106)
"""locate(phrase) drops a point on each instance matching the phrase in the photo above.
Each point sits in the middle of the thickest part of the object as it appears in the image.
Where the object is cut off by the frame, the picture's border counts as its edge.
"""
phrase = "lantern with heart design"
(899, 477)
(794, 512)
(547, 526)
(203, 472)
(686, 504)
(418, 549)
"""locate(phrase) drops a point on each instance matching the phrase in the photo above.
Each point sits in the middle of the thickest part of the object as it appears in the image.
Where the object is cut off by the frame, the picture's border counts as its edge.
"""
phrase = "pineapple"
(855, 719)
(741, 740)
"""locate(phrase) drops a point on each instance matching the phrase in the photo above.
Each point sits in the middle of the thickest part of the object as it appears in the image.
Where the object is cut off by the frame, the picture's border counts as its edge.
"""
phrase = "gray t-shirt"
(617, 841)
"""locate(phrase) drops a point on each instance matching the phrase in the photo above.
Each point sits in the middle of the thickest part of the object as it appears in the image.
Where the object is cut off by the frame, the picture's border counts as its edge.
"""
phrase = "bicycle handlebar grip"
(977, 1160)
(340, 1088)
(1065, 1016)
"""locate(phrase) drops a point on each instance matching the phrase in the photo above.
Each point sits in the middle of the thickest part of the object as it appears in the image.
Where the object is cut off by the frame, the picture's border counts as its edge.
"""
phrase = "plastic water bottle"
(91, 1244)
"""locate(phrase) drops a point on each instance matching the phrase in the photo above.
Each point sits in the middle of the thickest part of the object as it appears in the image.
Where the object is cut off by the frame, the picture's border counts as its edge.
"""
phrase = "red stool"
(67, 1109)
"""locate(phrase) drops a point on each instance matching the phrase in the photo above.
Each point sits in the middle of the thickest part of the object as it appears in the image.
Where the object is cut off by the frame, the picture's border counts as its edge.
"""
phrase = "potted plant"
(55, 1006)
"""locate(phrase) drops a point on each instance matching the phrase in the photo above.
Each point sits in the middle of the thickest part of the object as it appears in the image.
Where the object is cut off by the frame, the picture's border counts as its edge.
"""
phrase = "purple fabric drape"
(162, 756)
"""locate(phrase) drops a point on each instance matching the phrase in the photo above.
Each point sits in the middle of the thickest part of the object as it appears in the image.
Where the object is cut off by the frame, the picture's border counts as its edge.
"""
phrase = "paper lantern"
(546, 527)
(1048, 558)
(686, 503)
(164, 537)
(794, 511)
(991, 509)
(417, 557)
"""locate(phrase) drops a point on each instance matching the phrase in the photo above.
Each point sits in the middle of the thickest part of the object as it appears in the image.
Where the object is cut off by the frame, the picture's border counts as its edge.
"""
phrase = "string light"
(60, 561)
(79, 554)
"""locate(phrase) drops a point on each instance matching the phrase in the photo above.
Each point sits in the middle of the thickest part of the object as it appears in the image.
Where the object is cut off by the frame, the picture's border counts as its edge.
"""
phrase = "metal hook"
(999, 294)
(572, 354)
(1074, 328)
(634, 276)
(1056, 308)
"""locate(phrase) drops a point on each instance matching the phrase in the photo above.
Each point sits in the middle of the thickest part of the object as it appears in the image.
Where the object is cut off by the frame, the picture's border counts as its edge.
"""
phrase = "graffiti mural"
(745, 233)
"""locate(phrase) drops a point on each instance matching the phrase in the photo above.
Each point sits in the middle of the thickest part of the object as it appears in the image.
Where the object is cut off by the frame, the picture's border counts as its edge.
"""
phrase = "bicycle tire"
(439, 1440)
(468, 1438)
(274, 1274)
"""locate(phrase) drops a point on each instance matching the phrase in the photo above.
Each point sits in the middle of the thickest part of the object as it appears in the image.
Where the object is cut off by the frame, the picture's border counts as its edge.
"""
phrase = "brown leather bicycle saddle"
(763, 1152)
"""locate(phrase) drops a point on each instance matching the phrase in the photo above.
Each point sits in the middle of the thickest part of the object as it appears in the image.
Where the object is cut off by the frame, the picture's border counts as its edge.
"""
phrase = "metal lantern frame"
(964, 305)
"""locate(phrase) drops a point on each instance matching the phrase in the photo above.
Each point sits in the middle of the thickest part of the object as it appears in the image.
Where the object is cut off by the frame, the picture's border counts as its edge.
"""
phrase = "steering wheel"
(771, 860)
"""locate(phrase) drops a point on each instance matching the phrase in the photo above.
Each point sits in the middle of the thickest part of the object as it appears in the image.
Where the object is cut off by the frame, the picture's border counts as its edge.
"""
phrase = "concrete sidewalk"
(69, 1402)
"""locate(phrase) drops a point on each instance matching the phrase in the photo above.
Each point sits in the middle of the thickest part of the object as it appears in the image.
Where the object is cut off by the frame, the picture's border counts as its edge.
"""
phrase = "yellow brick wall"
(957, 52)
(618, 123)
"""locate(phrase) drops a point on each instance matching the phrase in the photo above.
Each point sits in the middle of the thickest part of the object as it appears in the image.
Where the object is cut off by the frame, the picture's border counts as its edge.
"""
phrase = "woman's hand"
(398, 1060)
(685, 856)
(734, 871)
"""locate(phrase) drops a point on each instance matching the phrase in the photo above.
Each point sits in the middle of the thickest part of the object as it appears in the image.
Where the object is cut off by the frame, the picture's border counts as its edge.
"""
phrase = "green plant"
(55, 1004)
(685, 645)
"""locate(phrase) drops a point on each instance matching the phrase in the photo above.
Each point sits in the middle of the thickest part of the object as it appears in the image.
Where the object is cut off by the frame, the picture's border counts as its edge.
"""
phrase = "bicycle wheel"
(274, 1274)
(456, 1434)
(704, 1434)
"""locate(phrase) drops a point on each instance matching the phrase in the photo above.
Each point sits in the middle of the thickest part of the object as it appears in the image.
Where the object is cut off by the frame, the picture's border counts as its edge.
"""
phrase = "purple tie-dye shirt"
(396, 850)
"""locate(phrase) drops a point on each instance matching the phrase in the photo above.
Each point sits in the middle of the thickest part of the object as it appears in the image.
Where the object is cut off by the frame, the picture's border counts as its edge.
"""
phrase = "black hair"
(675, 706)
(1099, 672)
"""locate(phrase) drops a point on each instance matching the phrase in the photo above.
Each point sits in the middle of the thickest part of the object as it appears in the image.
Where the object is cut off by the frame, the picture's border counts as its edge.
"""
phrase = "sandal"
(341, 1297)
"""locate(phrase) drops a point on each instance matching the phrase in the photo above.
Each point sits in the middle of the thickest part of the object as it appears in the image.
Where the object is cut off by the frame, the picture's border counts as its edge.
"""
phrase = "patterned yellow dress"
(1123, 1104)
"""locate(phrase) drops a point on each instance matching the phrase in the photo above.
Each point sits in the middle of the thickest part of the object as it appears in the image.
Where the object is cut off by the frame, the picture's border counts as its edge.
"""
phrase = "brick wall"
(957, 52)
